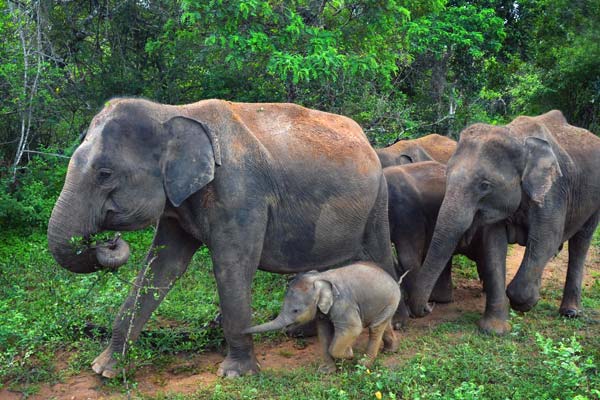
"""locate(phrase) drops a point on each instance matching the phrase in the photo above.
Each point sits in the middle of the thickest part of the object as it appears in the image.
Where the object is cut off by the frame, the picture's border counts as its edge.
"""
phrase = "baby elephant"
(345, 300)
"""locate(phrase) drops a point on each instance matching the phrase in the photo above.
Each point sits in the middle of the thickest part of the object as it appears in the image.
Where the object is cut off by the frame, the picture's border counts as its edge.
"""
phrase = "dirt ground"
(191, 371)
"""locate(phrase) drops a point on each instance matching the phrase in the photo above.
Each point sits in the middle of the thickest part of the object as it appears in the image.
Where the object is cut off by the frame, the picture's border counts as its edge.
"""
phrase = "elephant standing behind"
(432, 147)
(535, 181)
(416, 192)
(271, 186)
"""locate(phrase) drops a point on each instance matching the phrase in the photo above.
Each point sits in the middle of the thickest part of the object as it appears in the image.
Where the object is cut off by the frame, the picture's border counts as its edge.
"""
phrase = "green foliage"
(464, 267)
(570, 372)
(399, 68)
(27, 203)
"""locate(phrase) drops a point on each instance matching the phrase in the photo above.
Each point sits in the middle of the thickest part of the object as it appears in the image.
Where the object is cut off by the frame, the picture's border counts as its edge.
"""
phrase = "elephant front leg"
(167, 260)
(345, 334)
(544, 238)
(325, 333)
(579, 245)
(236, 251)
(493, 270)
(234, 295)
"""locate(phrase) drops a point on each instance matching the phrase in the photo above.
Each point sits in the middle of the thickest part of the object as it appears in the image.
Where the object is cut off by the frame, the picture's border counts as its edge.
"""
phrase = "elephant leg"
(390, 339)
(544, 238)
(236, 249)
(495, 316)
(171, 252)
(378, 248)
(579, 245)
(442, 291)
(376, 242)
(375, 337)
(325, 333)
(345, 334)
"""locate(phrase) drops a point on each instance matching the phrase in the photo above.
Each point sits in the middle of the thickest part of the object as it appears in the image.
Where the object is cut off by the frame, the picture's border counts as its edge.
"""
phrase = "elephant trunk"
(68, 223)
(453, 221)
(278, 323)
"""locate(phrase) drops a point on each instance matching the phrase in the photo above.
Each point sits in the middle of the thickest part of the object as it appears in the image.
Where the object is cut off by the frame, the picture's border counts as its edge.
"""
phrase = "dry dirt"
(191, 371)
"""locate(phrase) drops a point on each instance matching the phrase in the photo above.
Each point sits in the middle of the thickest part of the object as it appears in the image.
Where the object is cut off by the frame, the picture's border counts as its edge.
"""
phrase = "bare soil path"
(190, 371)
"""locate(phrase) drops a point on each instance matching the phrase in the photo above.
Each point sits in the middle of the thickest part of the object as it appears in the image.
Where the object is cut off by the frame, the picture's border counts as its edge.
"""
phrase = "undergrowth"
(48, 313)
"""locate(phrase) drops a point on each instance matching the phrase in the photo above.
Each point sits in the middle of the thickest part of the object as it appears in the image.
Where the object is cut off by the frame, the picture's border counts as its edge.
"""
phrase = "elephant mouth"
(110, 253)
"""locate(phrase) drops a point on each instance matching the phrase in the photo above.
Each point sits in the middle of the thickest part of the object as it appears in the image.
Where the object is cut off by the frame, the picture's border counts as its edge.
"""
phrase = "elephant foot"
(233, 368)
(569, 312)
(400, 318)
(327, 368)
(391, 346)
(348, 354)
(106, 363)
(494, 326)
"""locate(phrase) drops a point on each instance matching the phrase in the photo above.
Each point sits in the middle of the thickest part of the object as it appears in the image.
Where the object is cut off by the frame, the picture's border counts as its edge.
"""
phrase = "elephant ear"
(191, 157)
(413, 155)
(405, 159)
(541, 169)
(326, 293)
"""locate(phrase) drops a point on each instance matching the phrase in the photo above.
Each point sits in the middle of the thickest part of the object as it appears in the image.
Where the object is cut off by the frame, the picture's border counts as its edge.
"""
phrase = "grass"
(44, 309)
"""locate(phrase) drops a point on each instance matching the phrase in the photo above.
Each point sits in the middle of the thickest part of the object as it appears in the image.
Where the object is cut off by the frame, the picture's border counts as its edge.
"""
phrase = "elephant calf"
(344, 300)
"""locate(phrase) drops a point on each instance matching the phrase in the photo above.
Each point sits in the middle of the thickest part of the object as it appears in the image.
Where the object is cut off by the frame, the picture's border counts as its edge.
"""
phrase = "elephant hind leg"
(376, 243)
(376, 334)
(390, 339)
(579, 245)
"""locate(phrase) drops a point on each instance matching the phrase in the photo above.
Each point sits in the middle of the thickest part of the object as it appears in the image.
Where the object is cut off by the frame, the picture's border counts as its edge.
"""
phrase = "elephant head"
(121, 176)
(306, 294)
(413, 153)
(493, 170)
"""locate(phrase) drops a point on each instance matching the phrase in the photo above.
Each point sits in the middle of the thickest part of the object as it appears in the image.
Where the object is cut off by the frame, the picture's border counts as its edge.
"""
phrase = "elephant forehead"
(301, 285)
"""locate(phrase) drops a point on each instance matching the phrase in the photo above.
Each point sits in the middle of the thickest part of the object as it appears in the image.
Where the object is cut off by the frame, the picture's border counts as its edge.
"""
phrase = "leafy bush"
(570, 373)
(26, 203)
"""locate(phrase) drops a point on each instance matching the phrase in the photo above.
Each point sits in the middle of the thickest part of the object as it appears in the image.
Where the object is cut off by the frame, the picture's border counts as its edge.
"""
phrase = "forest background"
(400, 68)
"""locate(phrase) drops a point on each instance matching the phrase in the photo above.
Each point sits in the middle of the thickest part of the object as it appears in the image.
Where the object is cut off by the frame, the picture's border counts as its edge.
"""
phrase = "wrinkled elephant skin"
(344, 300)
(431, 147)
(534, 181)
(272, 186)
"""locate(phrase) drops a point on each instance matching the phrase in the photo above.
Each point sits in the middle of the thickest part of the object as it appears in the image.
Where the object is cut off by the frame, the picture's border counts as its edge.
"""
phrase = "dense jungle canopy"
(400, 68)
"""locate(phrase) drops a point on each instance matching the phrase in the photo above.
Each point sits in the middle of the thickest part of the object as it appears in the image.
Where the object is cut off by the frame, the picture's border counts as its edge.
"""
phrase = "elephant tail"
(402, 277)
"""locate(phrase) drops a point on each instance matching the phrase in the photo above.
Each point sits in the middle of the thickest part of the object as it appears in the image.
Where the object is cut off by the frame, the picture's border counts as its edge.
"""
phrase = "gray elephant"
(432, 147)
(345, 300)
(536, 182)
(271, 186)
(416, 192)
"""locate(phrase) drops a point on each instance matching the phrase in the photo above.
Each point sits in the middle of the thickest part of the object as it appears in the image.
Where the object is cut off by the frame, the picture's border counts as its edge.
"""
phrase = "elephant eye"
(484, 186)
(295, 311)
(104, 174)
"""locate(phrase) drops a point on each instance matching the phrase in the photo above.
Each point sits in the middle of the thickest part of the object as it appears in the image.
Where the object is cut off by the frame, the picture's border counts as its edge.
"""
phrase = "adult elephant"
(271, 186)
(416, 192)
(535, 181)
(431, 147)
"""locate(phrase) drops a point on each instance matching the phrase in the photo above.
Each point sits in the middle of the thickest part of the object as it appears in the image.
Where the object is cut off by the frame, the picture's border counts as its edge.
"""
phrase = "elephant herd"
(289, 190)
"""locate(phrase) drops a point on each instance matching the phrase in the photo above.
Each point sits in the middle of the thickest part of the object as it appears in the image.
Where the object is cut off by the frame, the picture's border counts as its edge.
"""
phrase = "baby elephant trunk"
(278, 323)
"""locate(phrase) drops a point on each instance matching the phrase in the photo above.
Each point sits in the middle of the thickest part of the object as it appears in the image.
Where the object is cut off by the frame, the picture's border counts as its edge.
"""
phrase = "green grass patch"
(44, 310)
